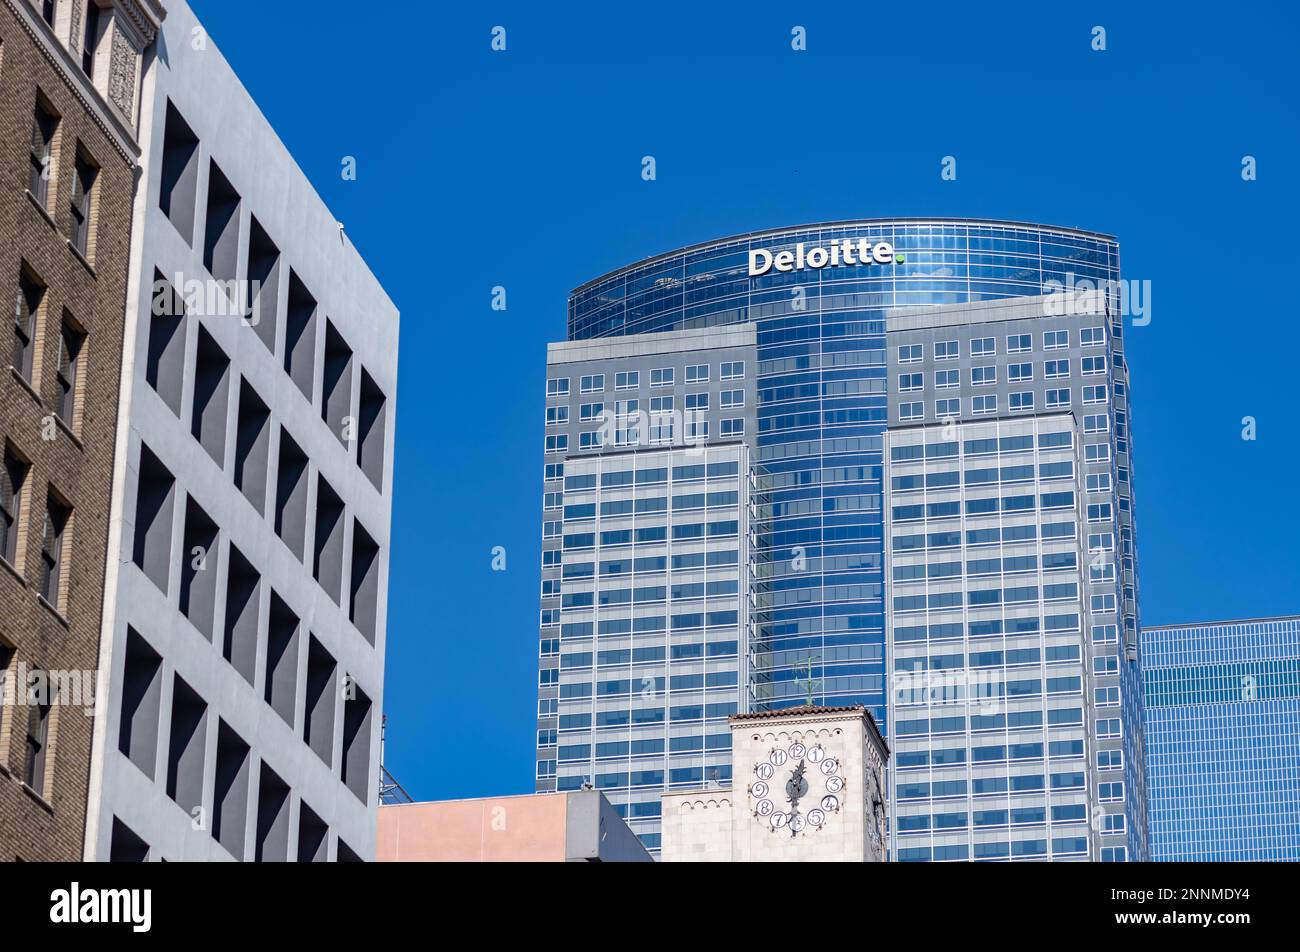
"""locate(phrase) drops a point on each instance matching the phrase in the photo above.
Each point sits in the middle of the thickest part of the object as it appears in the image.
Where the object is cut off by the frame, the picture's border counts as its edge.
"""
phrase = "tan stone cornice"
(117, 132)
(144, 16)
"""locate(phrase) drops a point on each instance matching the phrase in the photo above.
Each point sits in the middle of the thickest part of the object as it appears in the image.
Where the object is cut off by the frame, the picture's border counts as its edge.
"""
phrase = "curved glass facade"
(818, 411)
(822, 406)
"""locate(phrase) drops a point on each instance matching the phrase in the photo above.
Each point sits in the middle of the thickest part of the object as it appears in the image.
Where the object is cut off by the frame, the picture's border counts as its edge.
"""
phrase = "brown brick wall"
(78, 468)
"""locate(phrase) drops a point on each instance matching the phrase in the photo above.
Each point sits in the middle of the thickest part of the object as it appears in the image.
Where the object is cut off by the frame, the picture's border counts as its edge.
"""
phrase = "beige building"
(581, 826)
(807, 787)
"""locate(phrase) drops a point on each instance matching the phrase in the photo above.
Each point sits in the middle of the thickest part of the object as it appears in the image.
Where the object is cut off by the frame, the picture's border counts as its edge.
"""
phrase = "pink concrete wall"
(496, 829)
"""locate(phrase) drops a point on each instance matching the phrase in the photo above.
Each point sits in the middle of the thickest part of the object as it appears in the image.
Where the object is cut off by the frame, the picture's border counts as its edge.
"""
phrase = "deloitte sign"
(850, 251)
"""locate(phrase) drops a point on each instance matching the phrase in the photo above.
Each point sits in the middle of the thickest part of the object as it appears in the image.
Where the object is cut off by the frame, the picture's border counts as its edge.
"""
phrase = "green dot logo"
(900, 257)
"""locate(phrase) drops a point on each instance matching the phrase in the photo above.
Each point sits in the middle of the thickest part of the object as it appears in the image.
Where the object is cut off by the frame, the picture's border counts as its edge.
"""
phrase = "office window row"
(92, 29)
(625, 410)
(657, 377)
(1019, 402)
(253, 469)
(988, 376)
(1014, 343)
(1013, 850)
(18, 517)
(359, 428)
(29, 720)
(33, 327)
(195, 735)
(298, 523)
(81, 196)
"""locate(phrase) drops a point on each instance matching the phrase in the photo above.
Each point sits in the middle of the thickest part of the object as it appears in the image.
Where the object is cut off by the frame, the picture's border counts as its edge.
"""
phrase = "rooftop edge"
(1065, 229)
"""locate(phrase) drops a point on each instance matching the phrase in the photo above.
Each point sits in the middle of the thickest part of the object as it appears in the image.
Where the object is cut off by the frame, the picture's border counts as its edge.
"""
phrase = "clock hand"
(796, 781)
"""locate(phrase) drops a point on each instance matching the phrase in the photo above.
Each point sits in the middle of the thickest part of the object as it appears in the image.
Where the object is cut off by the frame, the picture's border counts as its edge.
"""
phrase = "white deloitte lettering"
(849, 252)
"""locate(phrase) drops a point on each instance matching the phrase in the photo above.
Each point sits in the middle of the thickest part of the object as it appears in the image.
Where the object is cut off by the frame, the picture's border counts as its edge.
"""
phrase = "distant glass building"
(815, 300)
(1222, 710)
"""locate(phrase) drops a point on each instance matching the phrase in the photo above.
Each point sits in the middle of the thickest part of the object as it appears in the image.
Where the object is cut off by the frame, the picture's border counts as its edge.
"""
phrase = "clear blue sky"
(522, 169)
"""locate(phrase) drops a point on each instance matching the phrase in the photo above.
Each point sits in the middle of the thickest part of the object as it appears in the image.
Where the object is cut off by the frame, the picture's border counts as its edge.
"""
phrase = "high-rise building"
(1222, 707)
(245, 598)
(988, 643)
(69, 90)
(1016, 708)
(649, 636)
(821, 301)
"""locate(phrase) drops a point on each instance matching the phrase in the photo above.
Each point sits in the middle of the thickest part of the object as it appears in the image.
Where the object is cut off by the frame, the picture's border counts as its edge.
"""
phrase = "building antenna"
(390, 791)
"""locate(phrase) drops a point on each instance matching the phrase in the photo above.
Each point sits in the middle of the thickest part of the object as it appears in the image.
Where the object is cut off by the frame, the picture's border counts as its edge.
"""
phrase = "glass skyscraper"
(1222, 711)
(1015, 709)
(816, 299)
(647, 566)
(992, 754)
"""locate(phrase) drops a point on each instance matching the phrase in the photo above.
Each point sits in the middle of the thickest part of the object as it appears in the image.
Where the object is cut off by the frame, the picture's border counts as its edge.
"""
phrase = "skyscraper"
(1222, 708)
(649, 636)
(244, 607)
(818, 298)
(1015, 713)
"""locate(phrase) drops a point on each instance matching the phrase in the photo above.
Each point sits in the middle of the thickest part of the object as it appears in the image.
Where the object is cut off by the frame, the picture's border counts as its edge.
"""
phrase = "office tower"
(817, 298)
(68, 93)
(1016, 717)
(245, 598)
(1222, 706)
(647, 629)
(987, 642)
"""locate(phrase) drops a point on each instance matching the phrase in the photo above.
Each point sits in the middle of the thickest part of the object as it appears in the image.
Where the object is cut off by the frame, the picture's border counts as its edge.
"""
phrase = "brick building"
(69, 94)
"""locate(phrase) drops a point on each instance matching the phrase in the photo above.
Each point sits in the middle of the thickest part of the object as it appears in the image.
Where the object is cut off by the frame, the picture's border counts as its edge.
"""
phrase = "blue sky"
(522, 169)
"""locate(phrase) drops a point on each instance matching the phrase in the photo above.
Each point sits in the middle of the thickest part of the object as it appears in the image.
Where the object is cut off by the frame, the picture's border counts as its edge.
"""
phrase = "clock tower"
(807, 786)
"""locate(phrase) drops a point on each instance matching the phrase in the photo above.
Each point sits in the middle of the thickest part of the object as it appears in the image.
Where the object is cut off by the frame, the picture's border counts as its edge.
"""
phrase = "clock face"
(797, 788)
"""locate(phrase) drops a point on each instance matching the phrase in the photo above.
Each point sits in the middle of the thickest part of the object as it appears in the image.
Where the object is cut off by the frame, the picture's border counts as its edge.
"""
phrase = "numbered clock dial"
(790, 796)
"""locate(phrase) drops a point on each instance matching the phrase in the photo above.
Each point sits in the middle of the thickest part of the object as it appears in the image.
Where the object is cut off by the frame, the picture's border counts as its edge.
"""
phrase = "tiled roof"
(806, 709)
(802, 709)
